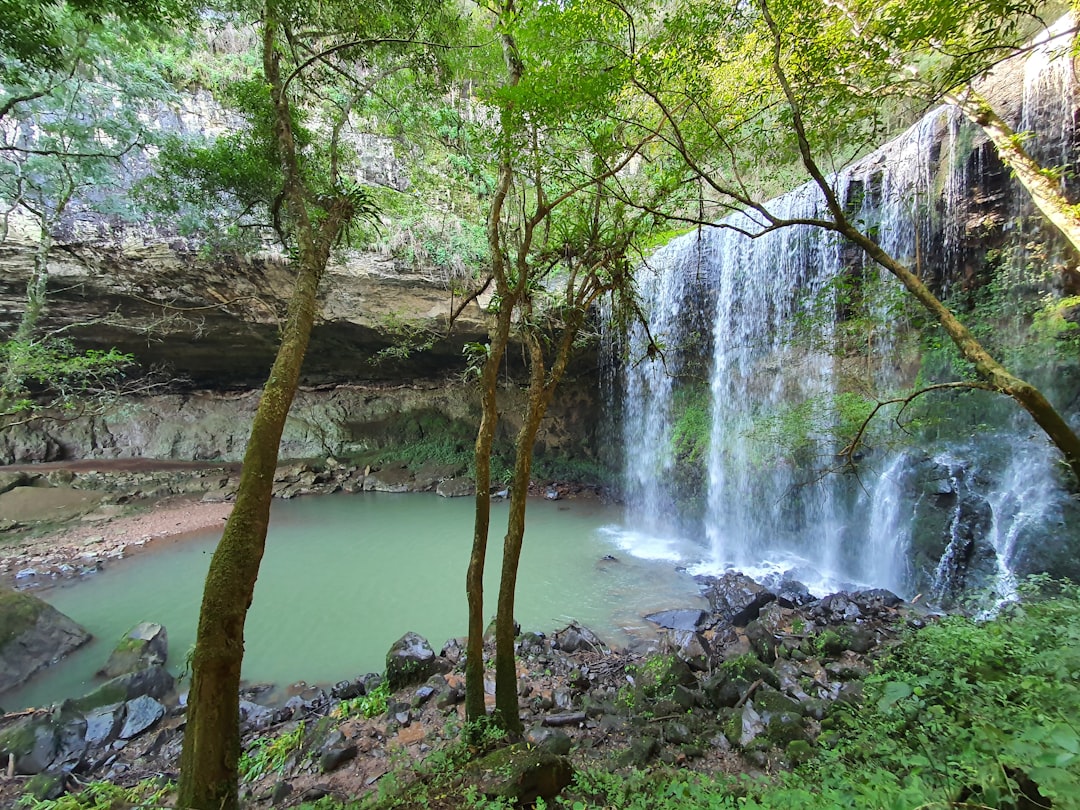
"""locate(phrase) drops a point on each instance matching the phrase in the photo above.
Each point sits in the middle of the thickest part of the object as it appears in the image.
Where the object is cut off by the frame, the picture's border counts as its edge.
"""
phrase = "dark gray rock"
(393, 477)
(409, 661)
(71, 744)
(254, 716)
(574, 637)
(155, 682)
(836, 608)
(335, 752)
(33, 635)
(103, 724)
(677, 732)
(792, 593)
(736, 598)
(520, 774)
(550, 739)
(682, 619)
(140, 715)
(145, 645)
(688, 646)
(33, 741)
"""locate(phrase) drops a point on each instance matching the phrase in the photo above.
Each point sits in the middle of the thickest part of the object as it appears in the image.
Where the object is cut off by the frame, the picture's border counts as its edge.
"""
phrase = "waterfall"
(779, 364)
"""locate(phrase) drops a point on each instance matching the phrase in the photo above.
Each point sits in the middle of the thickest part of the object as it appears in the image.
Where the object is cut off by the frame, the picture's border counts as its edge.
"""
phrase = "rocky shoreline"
(747, 685)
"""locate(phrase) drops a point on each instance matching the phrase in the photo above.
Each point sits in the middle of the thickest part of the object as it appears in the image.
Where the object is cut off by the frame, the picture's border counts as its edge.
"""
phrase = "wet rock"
(335, 752)
(140, 715)
(347, 690)
(71, 743)
(33, 635)
(409, 661)
(682, 619)
(520, 774)
(103, 724)
(154, 682)
(254, 716)
(33, 742)
(145, 645)
(456, 488)
(550, 739)
(736, 598)
(574, 637)
(836, 608)
(875, 600)
(792, 594)
(785, 727)
(688, 646)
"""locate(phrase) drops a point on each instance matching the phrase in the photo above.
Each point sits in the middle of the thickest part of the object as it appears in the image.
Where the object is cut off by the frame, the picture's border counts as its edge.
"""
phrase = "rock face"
(332, 421)
(33, 635)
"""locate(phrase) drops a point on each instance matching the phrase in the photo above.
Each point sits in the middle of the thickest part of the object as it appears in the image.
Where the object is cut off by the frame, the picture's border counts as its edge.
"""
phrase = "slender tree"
(553, 224)
(302, 47)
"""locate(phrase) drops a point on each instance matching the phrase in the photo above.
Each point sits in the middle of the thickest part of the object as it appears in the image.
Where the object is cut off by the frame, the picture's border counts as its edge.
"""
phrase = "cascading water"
(775, 372)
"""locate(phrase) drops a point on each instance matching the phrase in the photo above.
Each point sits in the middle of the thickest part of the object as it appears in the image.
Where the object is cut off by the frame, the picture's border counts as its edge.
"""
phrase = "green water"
(344, 576)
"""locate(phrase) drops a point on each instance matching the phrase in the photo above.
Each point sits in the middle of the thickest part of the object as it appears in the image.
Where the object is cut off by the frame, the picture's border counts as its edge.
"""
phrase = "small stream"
(344, 576)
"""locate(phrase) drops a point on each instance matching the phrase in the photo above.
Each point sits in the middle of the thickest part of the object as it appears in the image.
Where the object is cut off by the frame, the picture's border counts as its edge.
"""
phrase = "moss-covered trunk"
(211, 752)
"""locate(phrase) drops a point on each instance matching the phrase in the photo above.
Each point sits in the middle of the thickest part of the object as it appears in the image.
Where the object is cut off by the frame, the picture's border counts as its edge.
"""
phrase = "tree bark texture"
(211, 751)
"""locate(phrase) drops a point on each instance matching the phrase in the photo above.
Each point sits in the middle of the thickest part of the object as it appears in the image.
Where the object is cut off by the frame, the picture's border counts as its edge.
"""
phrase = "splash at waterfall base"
(750, 445)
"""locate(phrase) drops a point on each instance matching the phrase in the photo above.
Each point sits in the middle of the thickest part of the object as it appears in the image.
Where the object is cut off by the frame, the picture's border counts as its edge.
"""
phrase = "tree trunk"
(1044, 189)
(474, 578)
(208, 764)
(485, 435)
(542, 386)
(211, 752)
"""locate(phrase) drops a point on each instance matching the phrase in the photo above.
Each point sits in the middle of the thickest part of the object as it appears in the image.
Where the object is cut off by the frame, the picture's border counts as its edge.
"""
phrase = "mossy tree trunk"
(211, 751)
(499, 339)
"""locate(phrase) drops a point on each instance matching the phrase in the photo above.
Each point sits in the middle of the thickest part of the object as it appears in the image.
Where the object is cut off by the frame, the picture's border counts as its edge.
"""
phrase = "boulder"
(792, 594)
(736, 598)
(335, 752)
(33, 635)
(574, 637)
(410, 660)
(393, 477)
(145, 645)
(433, 473)
(155, 682)
(10, 480)
(33, 741)
(456, 488)
(682, 619)
(521, 774)
(140, 715)
(103, 724)
(690, 647)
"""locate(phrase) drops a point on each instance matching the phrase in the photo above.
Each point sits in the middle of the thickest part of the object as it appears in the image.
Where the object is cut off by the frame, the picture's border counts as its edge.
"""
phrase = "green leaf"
(894, 691)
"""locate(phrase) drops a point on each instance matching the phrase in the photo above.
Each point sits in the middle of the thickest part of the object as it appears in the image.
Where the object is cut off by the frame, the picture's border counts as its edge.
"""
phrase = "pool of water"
(344, 576)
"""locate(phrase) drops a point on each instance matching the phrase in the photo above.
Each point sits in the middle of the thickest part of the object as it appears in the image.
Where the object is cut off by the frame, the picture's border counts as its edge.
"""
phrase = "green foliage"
(266, 756)
(150, 794)
(57, 374)
(372, 704)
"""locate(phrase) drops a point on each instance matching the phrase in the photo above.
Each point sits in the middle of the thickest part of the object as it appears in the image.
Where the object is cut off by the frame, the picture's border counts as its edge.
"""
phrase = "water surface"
(344, 576)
